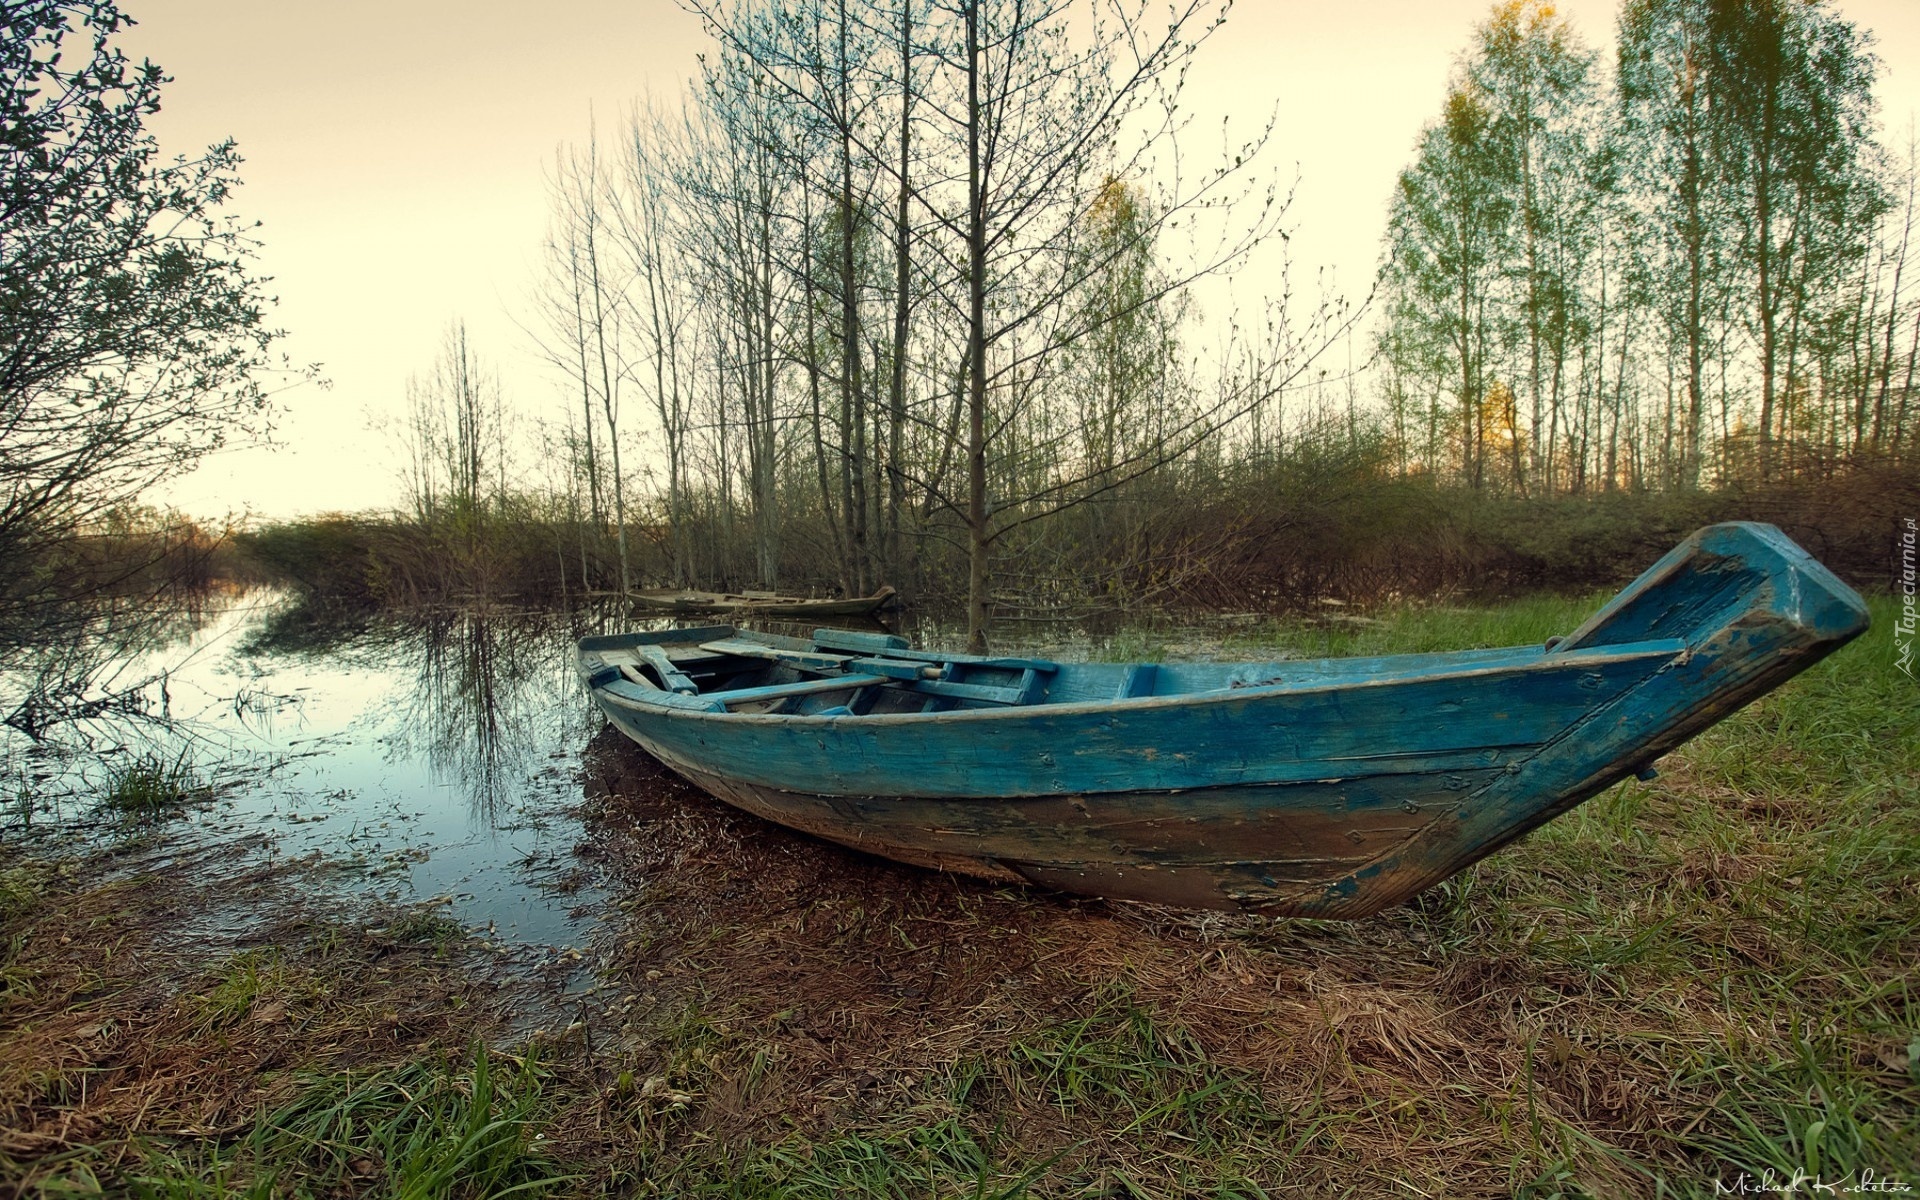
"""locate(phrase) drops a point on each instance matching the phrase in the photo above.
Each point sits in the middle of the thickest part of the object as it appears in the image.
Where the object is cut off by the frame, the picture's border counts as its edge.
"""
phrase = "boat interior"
(848, 673)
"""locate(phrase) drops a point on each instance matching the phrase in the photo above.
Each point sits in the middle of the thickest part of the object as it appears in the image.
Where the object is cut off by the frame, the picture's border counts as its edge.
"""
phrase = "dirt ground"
(761, 1013)
(790, 988)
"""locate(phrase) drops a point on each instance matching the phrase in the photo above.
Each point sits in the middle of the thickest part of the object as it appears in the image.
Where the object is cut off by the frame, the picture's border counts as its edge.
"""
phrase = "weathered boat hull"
(1330, 789)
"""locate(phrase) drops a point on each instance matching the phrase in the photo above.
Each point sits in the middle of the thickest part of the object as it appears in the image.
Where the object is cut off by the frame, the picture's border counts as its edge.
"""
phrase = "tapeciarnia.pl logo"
(1905, 624)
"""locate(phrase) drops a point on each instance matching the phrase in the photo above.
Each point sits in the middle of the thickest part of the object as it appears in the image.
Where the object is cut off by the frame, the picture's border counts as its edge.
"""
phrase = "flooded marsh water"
(428, 759)
(434, 757)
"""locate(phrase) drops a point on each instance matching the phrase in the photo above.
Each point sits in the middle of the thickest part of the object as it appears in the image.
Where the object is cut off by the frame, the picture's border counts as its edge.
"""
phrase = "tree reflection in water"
(489, 690)
(97, 662)
(425, 756)
(483, 695)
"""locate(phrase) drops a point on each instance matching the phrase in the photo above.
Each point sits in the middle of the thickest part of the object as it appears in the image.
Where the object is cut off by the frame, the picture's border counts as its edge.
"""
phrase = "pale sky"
(396, 153)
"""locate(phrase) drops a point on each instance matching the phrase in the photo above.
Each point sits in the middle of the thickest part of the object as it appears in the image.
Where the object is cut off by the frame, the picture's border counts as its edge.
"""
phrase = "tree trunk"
(977, 540)
(897, 391)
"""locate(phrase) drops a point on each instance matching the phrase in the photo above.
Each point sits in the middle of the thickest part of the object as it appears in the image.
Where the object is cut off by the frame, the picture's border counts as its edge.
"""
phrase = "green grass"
(1111, 1103)
(428, 925)
(21, 888)
(424, 1131)
(1424, 628)
(1773, 873)
(246, 977)
(1145, 1098)
(1399, 629)
(150, 785)
(943, 1158)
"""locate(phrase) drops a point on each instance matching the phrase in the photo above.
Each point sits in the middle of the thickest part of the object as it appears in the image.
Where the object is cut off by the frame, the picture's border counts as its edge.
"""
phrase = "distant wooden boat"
(1330, 788)
(685, 602)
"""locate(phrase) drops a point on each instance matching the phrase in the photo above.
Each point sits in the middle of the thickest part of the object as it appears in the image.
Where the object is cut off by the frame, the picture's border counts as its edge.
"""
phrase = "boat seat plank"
(942, 681)
(973, 660)
(862, 643)
(1032, 686)
(742, 648)
(671, 677)
(872, 644)
(648, 693)
(970, 691)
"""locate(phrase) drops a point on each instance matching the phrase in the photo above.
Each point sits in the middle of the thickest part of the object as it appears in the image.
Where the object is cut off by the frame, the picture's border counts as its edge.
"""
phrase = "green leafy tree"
(1672, 171)
(130, 325)
(1793, 86)
(1749, 124)
(1124, 376)
(1536, 74)
(1447, 236)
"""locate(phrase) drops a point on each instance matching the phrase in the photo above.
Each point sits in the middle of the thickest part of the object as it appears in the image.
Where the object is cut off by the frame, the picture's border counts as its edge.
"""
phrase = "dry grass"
(182, 1005)
(800, 993)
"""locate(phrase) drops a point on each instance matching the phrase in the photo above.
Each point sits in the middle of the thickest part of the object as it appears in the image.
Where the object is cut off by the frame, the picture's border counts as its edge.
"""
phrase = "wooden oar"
(888, 646)
(743, 648)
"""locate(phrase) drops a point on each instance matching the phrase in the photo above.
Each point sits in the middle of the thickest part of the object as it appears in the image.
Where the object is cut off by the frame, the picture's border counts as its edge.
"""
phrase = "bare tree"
(1044, 117)
(658, 147)
(602, 317)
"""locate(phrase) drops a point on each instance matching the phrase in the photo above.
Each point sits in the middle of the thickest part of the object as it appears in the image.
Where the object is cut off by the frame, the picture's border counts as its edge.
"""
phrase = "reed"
(151, 784)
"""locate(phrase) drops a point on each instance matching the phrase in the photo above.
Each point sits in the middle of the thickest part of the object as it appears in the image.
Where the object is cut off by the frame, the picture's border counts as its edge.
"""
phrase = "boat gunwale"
(1542, 659)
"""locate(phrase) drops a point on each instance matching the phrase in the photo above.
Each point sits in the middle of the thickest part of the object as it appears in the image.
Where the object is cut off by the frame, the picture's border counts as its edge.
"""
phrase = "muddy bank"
(773, 989)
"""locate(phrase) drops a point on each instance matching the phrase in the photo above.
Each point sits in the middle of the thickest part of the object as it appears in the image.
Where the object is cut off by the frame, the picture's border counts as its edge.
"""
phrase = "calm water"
(419, 759)
(413, 759)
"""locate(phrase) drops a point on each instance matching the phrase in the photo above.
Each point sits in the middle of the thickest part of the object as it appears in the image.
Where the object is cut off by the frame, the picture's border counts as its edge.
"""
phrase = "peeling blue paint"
(1321, 788)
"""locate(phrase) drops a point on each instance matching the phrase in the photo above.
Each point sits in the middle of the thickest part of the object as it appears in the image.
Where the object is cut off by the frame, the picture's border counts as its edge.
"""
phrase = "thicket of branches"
(895, 280)
(904, 293)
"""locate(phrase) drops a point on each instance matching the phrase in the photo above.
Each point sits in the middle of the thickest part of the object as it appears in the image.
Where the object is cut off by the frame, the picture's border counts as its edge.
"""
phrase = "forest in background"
(909, 293)
(905, 294)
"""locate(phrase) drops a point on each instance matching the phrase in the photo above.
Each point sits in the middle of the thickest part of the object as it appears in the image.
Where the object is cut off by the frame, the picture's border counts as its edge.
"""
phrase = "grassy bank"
(1681, 981)
(174, 1025)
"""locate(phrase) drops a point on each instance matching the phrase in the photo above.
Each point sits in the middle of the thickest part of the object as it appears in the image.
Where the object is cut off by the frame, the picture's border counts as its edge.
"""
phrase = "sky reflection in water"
(421, 758)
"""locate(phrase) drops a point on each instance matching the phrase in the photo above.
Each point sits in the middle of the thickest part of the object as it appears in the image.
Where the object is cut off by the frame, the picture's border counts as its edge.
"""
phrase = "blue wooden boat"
(1330, 788)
